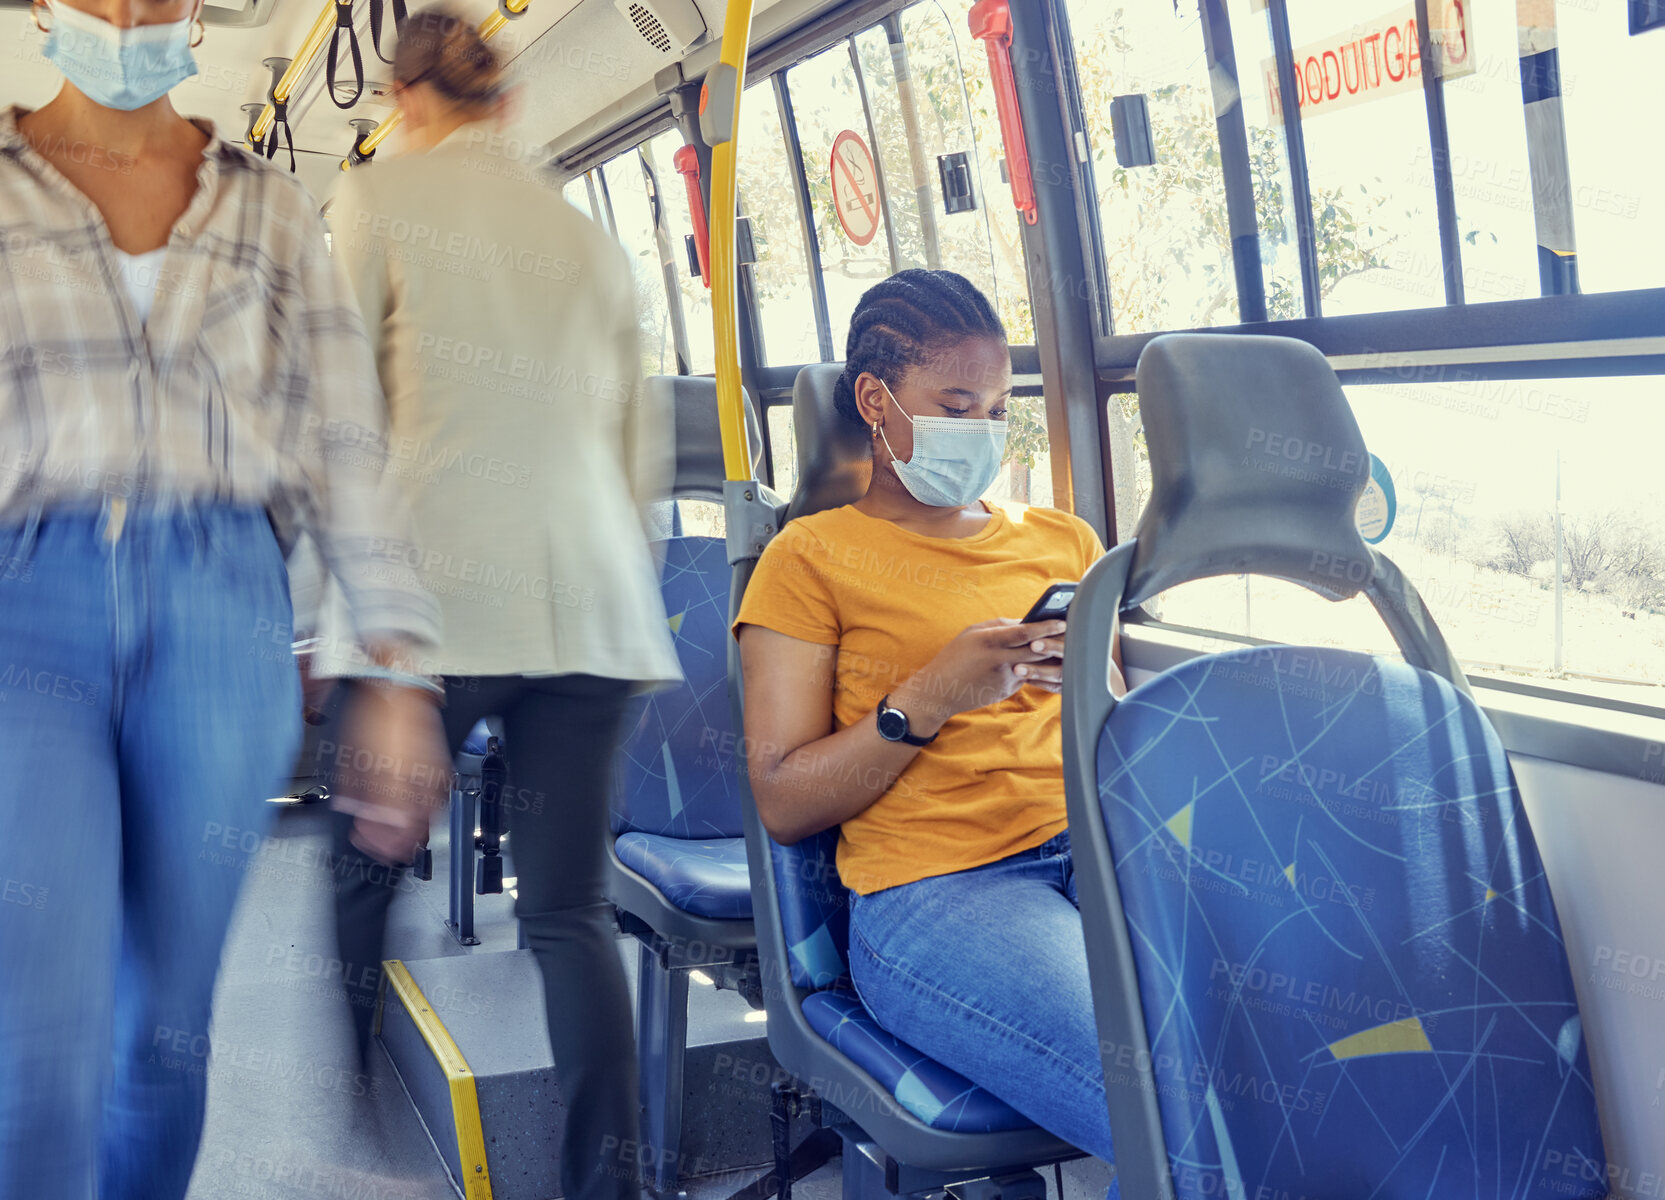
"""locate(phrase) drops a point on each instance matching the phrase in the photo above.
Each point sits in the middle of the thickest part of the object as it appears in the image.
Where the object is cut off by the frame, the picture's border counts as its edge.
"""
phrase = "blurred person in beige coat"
(505, 329)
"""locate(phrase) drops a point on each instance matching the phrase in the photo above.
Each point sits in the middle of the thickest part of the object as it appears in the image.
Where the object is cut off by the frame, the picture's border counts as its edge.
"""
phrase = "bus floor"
(290, 1114)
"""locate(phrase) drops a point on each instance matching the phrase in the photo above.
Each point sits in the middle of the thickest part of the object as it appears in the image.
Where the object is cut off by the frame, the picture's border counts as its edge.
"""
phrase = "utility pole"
(1557, 562)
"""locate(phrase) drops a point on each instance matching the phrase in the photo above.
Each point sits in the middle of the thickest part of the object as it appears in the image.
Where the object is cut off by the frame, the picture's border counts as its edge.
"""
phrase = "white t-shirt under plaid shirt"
(252, 381)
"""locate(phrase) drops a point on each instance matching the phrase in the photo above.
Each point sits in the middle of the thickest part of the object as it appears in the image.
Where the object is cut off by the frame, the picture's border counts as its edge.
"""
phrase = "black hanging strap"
(344, 20)
(280, 120)
(376, 25)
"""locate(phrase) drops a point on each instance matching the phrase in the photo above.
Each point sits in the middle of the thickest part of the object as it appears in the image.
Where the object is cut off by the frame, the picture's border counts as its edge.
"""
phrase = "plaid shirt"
(252, 382)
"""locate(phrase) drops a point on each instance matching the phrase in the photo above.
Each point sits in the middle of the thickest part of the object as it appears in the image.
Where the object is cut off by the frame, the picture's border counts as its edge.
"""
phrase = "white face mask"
(955, 459)
(119, 68)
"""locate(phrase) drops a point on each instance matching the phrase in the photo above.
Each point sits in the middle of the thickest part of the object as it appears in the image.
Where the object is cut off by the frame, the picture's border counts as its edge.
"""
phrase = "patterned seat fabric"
(1351, 970)
(676, 775)
(815, 922)
(708, 879)
(814, 910)
(675, 803)
(939, 1097)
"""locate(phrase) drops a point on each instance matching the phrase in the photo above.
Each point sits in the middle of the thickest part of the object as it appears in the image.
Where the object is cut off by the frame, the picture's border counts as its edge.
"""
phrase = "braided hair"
(904, 321)
(440, 49)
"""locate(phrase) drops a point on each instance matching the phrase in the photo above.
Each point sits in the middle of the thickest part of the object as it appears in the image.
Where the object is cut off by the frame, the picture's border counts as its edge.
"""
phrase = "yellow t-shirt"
(889, 600)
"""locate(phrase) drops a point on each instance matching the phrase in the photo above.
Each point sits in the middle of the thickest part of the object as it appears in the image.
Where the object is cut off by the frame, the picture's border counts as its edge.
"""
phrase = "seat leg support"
(783, 1104)
(864, 1171)
(461, 922)
(661, 1044)
(493, 778)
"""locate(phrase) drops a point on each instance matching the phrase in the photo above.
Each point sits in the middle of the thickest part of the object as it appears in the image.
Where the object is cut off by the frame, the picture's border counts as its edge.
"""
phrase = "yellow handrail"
(488, 28)
(315, 39)
(725, 312)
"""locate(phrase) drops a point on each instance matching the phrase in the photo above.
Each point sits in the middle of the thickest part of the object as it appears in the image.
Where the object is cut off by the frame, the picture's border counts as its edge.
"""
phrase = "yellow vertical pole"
(720, 125)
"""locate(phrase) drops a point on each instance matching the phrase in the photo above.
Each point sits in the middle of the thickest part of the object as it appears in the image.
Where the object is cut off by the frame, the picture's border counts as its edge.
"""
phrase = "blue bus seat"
(677, 860)
(676, 811)
(815, 921)
(908, 1123)
(707, 878)
(1324, 955)
(676, 867)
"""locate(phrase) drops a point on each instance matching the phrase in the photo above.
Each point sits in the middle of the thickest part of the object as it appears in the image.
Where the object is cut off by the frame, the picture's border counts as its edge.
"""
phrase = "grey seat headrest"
(835, 454)
(1257, 466)
(699, 438)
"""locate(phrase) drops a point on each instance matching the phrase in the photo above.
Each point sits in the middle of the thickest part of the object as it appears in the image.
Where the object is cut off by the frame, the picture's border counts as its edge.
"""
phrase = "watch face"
(893, 724)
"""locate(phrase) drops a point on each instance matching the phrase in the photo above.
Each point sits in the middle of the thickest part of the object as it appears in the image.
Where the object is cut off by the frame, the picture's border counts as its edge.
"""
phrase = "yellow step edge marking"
(465, 1102)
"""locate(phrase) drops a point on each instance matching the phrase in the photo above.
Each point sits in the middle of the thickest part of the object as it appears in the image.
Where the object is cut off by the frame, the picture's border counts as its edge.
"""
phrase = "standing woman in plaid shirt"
(183, 372)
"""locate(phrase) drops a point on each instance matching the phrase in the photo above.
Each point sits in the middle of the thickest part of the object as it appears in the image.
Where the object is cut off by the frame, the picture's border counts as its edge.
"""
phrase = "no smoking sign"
(855, 182)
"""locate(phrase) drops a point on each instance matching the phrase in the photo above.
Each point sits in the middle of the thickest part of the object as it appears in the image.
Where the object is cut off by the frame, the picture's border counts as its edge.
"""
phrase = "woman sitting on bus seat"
(965, 938)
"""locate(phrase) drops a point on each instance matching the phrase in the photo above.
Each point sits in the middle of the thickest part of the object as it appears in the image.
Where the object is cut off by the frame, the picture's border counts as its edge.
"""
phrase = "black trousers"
(561, 733)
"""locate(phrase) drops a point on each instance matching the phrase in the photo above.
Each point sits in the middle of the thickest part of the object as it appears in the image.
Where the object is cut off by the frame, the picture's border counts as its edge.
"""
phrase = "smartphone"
(1054, 604)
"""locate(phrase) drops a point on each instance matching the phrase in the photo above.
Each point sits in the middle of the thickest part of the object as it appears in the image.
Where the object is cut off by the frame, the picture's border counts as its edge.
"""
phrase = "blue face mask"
(115, 67)
(955, 459)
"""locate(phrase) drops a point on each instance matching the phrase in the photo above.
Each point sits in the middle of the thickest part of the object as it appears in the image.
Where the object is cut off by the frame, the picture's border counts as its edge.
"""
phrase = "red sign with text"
(1373, 60)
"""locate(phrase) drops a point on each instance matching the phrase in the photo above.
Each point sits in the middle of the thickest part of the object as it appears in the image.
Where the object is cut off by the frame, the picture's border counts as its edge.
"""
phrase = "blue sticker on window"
(1378, 504)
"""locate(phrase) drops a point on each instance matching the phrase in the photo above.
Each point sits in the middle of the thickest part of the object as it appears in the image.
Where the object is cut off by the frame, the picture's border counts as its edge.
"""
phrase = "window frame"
(1543, 337)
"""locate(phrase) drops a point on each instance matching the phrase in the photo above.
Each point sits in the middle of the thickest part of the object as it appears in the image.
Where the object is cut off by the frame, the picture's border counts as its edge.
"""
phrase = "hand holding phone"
(1054, 604)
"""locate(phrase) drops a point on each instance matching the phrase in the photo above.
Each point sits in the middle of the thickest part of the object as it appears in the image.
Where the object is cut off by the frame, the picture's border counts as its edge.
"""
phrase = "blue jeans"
(986, 971)
(149, 704)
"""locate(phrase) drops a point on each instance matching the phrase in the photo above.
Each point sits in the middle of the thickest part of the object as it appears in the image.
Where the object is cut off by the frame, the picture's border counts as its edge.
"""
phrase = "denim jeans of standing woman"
(146, 714)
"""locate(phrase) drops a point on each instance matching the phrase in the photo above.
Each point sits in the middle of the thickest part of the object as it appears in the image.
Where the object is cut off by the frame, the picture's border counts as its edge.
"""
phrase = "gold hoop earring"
(201, 31)
(35, 10)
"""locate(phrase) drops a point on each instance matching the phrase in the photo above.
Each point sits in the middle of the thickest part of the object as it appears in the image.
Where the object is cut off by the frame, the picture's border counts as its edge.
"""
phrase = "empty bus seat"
(676, 810)
(907, 1122)
(676, 868)
(1325, 959)
(679, 857)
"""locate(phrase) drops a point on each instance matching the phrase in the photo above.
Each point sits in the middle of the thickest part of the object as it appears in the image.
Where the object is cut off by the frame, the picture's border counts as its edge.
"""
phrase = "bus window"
(1129, 461)
(1274, 186)
(1477, 469)
(783, 447)
(1365, 123)
(1167, 242)
(694, 296)
(854, 244)
(1618, 175)
(1027, 475)
(769, 198)
(948, 75)
(910, 180)
(626, 195)
(577, 194)
(1491, 175)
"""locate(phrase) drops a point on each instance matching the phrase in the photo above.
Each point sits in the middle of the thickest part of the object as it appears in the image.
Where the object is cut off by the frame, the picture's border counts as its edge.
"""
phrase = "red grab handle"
(687, 163)
(991, 24)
